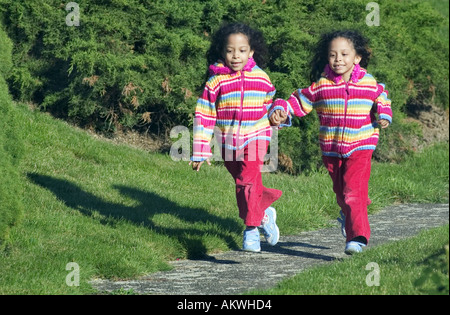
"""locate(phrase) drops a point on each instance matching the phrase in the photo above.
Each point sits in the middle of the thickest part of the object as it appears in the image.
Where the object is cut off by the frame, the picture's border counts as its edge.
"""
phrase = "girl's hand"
(383, 123)
(196, 165)
(278, 117)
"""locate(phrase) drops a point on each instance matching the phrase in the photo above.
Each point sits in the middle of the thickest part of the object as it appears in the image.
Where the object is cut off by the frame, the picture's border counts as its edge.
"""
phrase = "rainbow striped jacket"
(346, 111)
(233, 107)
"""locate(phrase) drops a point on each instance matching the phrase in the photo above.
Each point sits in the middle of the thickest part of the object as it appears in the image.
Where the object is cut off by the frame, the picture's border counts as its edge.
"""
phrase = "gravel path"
(232, 272)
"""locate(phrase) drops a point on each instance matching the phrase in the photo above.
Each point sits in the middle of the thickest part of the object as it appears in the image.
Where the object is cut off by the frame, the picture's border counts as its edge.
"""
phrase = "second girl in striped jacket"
(234, 107)
(351, 106)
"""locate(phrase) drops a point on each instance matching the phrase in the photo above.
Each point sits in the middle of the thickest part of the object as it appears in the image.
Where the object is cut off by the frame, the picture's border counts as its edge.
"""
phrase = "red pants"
(252, 197)
(351, 184)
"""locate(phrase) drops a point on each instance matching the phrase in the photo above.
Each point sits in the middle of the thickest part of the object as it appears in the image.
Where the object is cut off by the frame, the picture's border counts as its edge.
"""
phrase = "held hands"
(196, 165)
(383, 123)
(278, 117)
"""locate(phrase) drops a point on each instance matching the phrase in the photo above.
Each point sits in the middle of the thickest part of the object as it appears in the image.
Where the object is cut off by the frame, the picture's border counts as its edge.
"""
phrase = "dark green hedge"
(5, 53)
(141, 64)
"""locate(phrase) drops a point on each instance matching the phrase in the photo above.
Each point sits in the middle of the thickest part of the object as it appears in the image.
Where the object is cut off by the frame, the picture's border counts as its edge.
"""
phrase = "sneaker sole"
(252, 250)
(351, 251)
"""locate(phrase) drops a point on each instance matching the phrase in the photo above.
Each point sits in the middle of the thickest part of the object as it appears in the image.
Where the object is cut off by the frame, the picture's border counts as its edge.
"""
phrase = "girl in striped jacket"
(234, 108)
(347, 100)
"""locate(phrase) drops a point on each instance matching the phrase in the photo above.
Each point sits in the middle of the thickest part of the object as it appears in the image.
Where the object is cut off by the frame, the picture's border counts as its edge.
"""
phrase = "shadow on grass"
(150, 204)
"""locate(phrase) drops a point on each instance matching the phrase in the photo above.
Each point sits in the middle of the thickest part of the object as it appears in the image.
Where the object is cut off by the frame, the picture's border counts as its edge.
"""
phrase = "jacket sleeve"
(268, 101)
(383, 104)
(204, 122)
(300, 104)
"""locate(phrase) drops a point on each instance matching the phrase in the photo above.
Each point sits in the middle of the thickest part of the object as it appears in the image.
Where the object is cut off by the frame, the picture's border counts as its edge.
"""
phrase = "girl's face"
(342, 57)
(237, 51)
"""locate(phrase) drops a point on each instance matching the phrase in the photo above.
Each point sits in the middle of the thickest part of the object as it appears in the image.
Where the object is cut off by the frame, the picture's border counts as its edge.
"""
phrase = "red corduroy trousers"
(245, 167)
(351, 185)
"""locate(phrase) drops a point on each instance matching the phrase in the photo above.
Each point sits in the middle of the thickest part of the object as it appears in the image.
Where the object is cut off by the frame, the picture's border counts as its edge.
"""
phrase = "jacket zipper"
(238, 136)
(347, 94)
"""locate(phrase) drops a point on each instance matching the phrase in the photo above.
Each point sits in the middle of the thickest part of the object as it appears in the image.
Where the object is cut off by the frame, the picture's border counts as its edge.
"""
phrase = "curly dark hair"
(320, 59)
(255, 39)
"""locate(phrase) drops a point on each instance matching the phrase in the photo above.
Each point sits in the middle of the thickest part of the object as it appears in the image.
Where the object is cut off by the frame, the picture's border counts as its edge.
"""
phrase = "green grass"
(120, 212)
(418, 265)
(11, 149)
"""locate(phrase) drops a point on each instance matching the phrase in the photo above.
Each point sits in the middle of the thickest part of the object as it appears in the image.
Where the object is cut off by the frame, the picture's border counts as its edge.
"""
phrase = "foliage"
(5, 53)
(141, 64)
(11, 150)
(436, 272)
(299, 146)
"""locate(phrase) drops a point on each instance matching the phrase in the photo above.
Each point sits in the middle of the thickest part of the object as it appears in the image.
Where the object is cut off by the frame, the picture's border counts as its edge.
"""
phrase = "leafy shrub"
(141, 64)
(5, 53)
(11, 150)
(127, 65)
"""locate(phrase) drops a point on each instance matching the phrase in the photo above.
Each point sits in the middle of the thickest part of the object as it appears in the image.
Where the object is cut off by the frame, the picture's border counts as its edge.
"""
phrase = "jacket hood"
(221, 68)
(357, 74)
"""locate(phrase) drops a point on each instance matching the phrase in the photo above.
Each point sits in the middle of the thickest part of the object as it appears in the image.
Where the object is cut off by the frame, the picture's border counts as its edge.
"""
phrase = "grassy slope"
(11, 150)
(120, 212)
